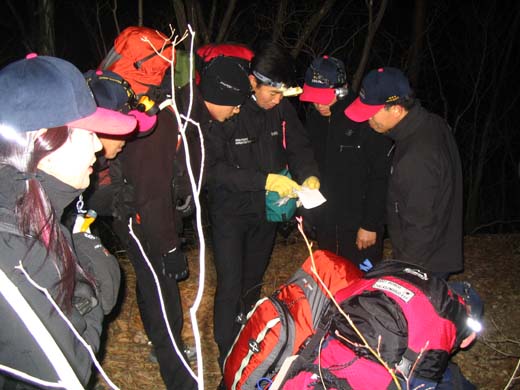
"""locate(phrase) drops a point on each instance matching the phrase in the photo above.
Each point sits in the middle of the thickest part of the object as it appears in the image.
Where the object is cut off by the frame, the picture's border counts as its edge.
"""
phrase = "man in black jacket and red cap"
(354, 164)
(424, 202)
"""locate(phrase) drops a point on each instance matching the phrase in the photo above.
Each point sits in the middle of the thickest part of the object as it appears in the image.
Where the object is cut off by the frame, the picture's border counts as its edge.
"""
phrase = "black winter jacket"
(149, 165)
(18, 349)
(424, 204)
(354, 166)
(246, 148)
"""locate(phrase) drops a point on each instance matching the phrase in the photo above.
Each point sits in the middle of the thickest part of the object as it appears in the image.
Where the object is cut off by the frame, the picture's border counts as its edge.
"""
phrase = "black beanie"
(225, 82)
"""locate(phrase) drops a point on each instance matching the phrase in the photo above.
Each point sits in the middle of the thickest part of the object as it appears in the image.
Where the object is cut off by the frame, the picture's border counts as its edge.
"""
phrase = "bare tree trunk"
(203, 33)
(116, 21)
(373, 25)
(418, 34)
(47, 41)
(182, 24)
(311, 25)
(224, 27)
(280, 21)
(211, 20)
(100, 29)
(140, 13)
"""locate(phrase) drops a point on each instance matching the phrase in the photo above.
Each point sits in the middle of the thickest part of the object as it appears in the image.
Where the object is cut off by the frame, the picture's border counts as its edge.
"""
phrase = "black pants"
(173, 372)
(342, 241)
(242, 248)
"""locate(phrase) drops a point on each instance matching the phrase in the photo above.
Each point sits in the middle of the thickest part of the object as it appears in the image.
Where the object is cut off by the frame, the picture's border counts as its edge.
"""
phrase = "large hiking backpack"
(411, 318)
(279, 325)
(134, 58)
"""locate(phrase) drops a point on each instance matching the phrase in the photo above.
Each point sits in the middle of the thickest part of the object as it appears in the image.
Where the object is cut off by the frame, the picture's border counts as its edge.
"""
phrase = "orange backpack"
(281, 324)
(134, 58)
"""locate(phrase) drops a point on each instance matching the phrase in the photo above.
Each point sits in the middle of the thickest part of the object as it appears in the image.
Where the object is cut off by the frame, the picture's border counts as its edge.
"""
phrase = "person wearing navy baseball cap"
(424, 200)
(354, 168)
(113, 92)
(48, 126)
(325, 81)
(380, 88)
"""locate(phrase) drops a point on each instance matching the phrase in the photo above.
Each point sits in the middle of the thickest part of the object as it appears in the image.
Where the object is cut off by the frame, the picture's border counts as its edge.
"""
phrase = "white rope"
(71, 327)
(161, 299)
(196, 187)
(41, 335)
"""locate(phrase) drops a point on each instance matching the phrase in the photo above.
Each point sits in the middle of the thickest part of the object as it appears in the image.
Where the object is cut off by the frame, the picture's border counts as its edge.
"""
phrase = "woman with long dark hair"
(48, 126)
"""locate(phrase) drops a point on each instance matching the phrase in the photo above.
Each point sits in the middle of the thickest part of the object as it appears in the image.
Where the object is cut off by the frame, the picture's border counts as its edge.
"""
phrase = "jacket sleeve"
(379, 158)
(300, 155)
(222, 172)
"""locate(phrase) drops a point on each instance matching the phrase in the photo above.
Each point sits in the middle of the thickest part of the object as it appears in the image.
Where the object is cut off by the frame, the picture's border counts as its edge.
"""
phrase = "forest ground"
(492, 265)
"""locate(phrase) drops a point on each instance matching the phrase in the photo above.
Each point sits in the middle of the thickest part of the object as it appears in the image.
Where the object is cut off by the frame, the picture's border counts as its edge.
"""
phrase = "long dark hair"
(35, 214)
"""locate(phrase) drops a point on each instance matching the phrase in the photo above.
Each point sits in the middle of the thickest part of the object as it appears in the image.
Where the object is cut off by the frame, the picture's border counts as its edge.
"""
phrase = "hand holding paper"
(310, 198)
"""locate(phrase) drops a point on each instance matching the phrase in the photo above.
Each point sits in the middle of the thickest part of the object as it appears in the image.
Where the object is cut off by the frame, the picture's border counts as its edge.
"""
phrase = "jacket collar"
(409, 125)
(12, 185)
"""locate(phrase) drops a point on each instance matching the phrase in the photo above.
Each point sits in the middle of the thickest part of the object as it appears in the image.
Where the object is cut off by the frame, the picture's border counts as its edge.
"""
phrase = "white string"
(161, 299)
(196, 187)
(29, 378)
(40, 334)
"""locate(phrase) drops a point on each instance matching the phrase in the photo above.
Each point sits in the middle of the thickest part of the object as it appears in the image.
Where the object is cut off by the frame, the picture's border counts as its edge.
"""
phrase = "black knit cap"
(225, 82)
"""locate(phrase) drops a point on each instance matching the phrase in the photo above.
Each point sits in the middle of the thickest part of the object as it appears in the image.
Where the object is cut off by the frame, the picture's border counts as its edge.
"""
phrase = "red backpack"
(405, 314)
(279, 325)
(206, 53)
(134, 59)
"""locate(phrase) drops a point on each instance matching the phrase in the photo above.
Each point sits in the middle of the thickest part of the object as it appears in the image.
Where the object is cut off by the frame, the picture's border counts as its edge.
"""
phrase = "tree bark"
(373, 25)
(182, 24)
(224, 27)
(280, 21)
(203, 33)
(47, 42)
(140, 13)
(116, 21)
(418, 34)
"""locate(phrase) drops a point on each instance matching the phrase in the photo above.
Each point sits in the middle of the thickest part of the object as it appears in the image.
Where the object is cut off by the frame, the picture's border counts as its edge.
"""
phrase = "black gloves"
(84, 299)
(182, 195)
(175, 265)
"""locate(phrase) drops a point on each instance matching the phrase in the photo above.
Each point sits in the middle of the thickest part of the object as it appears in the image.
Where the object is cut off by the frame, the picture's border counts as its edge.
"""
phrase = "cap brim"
(317, 95)
(106, 121)
(145, 122)
(360, 112)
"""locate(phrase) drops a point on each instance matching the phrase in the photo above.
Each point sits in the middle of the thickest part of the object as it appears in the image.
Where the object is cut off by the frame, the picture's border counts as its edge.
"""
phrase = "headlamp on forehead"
(282, 87)
(473, 302)
(474, 324)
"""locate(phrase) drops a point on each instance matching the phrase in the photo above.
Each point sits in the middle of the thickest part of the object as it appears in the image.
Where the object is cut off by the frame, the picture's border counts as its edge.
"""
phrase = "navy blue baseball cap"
(379, 87)
(321, 78)
(111, 91)
(46, 92)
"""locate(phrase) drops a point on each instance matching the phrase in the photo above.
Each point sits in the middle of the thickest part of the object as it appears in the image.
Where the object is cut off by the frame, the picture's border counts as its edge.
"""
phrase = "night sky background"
(466, 68)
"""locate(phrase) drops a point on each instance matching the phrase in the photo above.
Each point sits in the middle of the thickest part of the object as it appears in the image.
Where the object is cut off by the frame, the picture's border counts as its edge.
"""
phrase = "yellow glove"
(312, 182)
(281, 184)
